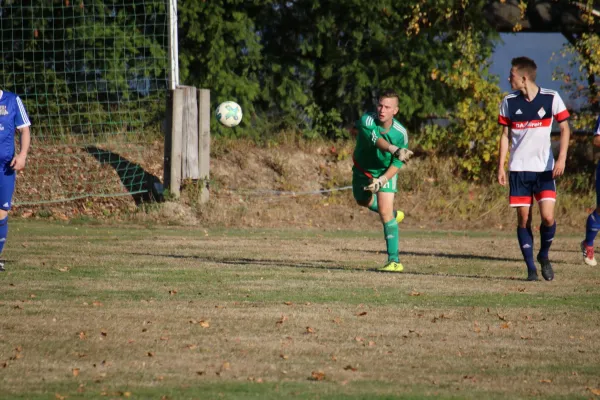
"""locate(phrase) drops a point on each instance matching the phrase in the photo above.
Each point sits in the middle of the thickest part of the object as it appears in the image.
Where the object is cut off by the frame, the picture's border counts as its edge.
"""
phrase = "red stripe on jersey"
(520, 200)
(545, 194)
(503, 120)
(561, 116)
(535, 123)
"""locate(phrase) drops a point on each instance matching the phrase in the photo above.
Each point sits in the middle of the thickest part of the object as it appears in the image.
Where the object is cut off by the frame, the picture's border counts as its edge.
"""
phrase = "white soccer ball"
(229, 113)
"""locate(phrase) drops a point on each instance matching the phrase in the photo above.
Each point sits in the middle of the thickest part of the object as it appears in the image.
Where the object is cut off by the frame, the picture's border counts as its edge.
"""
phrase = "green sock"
(390, 230)
(373, 206)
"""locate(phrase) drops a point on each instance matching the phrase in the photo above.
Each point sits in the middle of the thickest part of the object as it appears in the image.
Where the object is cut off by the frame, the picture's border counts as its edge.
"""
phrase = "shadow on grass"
(320, 265)
(451, 256)
(143, 186)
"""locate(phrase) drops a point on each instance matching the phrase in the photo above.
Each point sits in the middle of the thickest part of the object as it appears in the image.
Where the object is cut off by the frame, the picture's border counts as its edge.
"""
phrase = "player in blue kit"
(593, 221)
(13, 116)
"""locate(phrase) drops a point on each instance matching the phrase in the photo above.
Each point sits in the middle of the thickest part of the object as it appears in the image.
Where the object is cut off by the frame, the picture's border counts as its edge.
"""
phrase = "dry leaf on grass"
(317, 376)
(75, 371)
(309, 330)
(281, 320)
(350, 368)
(415, 293)
(361, 314)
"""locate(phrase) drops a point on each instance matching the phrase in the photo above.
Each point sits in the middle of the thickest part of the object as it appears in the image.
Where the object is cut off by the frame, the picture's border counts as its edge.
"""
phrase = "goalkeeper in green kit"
(381, 150)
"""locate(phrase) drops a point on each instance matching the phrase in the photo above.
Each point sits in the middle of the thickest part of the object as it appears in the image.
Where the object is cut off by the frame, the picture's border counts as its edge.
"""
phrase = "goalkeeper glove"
(403, 154)
(376, 184)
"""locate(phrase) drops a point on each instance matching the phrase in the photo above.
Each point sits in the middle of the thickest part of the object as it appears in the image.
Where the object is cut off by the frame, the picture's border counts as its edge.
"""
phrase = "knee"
(3, 214)
(386, 216)
(548, 220)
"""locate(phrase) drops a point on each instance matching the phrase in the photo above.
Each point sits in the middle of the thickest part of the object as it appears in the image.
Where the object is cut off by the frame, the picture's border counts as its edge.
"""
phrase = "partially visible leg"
(3, 233)
(521, 198)
(547, 227)
(592, 227)
(525, 237)
(390, 232)
(7, 187)
(390, 225)
(545, 194)
(374, 206)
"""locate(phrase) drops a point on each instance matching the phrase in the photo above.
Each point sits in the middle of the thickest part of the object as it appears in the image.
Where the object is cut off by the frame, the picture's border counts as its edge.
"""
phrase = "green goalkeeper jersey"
(367, 157)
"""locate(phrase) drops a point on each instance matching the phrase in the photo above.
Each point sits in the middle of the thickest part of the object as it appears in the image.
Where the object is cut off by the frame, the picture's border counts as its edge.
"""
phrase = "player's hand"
(559, 168)
(18, 162)
(403, 155)
(376, 184)
(501, 176)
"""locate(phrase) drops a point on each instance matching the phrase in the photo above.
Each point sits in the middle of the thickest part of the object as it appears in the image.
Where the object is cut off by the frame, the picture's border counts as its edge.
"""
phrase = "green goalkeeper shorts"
(360, 181)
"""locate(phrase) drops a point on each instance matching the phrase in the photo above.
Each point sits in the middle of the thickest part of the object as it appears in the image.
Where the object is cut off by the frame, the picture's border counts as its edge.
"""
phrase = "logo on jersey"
(1, 127)
(5, 205)
(529, 124)
(519, 112)
(541, 112)
(3, 110)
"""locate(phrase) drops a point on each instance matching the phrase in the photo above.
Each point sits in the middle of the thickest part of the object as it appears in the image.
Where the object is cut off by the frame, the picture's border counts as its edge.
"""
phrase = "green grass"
(180, 313)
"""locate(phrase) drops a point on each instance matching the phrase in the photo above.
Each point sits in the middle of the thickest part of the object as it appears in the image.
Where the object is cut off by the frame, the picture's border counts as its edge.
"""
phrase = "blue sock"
(591, 228)
(546, 236)
(374, 207)
(3, 232)
(526, 244)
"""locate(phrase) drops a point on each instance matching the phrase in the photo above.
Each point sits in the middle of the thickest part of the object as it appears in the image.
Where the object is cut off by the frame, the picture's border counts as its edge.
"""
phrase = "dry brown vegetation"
(281, 184)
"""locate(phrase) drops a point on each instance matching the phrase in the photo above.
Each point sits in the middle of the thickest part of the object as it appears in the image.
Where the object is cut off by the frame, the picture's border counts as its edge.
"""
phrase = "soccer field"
(122, 311)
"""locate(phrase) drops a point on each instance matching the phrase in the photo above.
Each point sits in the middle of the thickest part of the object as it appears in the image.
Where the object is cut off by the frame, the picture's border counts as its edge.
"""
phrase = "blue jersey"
(12, 116)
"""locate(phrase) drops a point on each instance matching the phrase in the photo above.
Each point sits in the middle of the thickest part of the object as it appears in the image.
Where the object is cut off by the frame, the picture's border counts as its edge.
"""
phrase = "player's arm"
(504, 120)
(502, 152)
(368, 126)
(596, 141)
(565, 135)
(18, 162)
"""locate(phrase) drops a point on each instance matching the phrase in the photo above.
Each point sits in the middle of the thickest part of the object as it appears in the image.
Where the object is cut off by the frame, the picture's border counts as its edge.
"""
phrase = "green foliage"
(473, 120)
(324, 124)
(325, 59)
(78, 64)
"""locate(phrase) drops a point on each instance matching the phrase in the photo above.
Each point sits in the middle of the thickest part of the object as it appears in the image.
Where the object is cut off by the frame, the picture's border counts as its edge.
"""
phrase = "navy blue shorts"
(526, 185)
(7, 185)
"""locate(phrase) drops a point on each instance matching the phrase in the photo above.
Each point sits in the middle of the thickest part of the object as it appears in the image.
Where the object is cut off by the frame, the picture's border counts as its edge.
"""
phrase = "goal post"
(94, 76)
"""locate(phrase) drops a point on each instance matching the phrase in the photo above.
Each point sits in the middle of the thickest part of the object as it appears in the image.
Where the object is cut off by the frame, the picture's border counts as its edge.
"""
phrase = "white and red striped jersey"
(530, 123)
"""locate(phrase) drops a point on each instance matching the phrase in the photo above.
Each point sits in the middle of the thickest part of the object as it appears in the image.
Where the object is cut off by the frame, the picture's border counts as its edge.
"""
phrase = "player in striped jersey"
(593, 221)
(13, 116)
(381, 150)
(526, 116)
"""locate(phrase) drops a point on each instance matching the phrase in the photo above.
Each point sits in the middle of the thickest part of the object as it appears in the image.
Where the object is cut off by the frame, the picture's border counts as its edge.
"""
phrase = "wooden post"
(204, 142)
(176, 132)
(189, 145)
(168, 141)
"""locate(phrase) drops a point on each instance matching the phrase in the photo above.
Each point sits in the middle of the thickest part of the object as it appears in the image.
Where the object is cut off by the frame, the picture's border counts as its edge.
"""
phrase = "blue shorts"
(7, 185)
(598, 185)
(525, 185)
